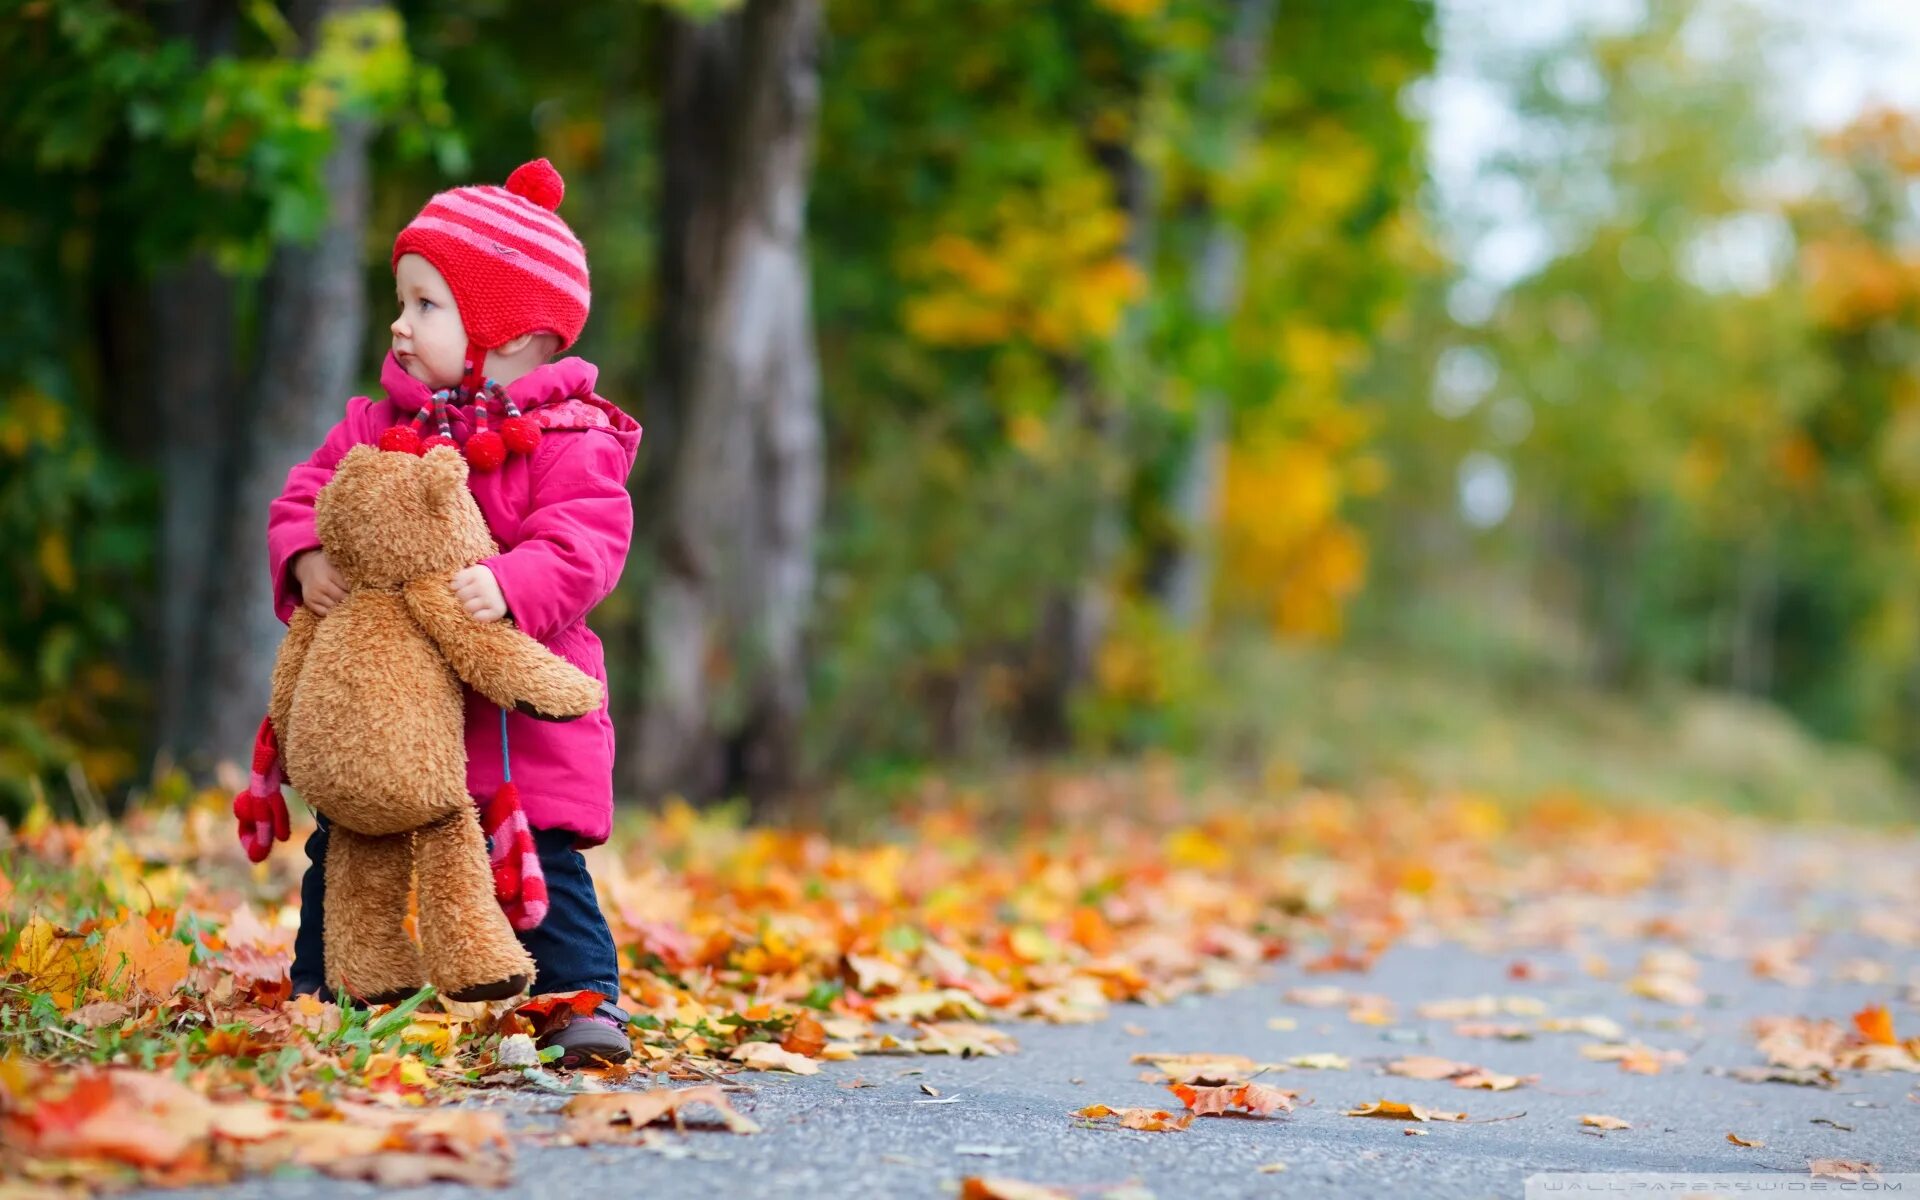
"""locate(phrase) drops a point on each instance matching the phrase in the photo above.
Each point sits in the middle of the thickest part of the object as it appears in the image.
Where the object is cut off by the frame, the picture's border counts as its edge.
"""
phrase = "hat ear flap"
(446, 471)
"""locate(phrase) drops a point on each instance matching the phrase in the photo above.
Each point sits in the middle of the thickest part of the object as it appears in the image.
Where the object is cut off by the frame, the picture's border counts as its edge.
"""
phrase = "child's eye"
(425, 304)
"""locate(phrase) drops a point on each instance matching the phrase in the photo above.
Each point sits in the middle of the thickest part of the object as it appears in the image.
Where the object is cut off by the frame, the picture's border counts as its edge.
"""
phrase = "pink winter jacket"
(565, 519)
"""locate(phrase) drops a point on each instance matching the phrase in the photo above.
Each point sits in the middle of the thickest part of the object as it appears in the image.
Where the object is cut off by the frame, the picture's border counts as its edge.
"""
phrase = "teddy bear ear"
(356, 456)
(446, 470)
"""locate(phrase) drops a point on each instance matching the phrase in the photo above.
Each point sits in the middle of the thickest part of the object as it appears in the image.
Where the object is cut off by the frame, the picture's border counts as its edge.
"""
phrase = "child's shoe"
(598, 1038)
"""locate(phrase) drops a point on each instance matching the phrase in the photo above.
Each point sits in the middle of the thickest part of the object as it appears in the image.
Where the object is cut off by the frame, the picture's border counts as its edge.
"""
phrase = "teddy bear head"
(388, 517)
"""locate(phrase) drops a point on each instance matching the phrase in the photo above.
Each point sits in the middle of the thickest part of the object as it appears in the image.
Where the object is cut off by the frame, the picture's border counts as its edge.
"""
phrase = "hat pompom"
(437, 440)
(521, 434)
(485, 450)
(538, 182)
(403, 439)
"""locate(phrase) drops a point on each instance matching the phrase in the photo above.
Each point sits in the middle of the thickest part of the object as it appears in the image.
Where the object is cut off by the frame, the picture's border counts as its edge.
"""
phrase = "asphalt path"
(1010, 1116)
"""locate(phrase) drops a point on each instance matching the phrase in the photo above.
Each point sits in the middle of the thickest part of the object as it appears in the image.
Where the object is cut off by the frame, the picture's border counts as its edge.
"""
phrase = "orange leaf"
(581, 1002)
(1394, 1110)
(979, 1187)
(1152, 1120)
(1261, 1100)
(1737, 1140)
(807, 1036)
(1601, 1121)
(144, 958)
(1205, 1101)
(1875, 1024)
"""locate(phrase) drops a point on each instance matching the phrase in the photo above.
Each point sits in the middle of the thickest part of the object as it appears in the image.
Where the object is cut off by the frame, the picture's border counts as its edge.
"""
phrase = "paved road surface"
(823, 1140)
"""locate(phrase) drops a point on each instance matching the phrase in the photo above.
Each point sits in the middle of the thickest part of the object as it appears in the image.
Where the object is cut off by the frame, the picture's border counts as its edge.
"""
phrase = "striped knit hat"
(512, 263)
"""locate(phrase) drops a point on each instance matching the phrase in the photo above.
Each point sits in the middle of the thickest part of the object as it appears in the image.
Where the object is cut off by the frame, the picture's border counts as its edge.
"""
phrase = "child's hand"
(479, 593)
(321, 584)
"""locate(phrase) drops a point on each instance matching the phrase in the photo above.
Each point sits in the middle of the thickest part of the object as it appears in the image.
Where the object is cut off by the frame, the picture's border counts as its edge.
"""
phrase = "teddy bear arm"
(286, 668)
(499, 661)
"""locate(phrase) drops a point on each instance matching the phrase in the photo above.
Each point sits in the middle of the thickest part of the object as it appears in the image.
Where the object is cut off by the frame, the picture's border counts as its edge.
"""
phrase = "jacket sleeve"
(573, 544)
(290, 528)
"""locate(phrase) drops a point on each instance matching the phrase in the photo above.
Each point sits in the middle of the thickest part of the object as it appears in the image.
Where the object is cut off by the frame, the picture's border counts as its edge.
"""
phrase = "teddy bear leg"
(369, 955)
(470, 949)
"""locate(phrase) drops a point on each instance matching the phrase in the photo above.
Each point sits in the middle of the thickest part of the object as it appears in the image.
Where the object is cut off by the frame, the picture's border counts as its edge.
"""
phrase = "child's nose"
(399, 327)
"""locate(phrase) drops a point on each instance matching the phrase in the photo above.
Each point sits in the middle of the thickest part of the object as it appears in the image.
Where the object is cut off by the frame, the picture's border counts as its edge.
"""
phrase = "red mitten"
(261, 809)
(518, 882)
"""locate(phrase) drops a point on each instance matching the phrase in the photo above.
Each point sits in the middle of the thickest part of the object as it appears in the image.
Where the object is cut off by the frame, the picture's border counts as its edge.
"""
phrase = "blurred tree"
(738, 395)
(154, 165)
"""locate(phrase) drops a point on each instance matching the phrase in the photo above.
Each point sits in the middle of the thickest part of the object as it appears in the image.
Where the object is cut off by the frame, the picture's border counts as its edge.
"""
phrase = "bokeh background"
(1486, 394)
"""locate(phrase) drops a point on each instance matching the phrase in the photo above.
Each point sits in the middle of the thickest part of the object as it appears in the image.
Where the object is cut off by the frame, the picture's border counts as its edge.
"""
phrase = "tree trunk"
(192, 319)
(313, 318)
(739, 490)
(191, 315)
(1186, 583)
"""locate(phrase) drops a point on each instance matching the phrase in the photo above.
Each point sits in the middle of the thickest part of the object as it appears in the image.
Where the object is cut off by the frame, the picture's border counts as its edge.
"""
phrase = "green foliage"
(126, 150)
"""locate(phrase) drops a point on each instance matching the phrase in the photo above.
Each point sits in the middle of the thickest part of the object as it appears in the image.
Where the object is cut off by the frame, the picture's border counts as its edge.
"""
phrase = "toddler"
(492, 284)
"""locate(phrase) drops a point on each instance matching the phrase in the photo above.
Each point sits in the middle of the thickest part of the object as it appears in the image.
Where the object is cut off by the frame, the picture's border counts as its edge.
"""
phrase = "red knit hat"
(512, 263)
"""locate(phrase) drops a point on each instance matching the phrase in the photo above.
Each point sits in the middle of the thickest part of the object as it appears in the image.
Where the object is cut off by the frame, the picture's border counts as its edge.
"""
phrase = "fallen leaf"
(1272, 1168)
(1190, 1068)
(805, 1037)
(1875, 1024)
(1600, 1121)
(1604, 1028)
(1397, 1111)
(582, 1003)
(1488, 1029)
(1831, 1122)
(1415, 1132)
(1152, 1120)
(1804, 1076)
(101, 1012)
(1426, 1066)
(963, 1039)
(1737, 1140)
(1258, 1099)
(1282, 1024)
(1322, 1061)
(1841, 1168)
(977, 1187)
(765, 1056)
(1493, 1082)
(591, 1115)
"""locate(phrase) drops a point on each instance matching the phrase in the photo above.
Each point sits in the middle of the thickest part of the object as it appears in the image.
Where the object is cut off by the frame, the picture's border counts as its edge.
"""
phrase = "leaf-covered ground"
(147, 1035)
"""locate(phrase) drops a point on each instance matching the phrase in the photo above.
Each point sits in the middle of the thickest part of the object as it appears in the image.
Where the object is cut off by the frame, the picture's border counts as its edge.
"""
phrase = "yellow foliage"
(1852, 283)
(60, 964)
(30, 418)
(1050, 270)
(1284, 549)
(56, 560)
(1134, 8)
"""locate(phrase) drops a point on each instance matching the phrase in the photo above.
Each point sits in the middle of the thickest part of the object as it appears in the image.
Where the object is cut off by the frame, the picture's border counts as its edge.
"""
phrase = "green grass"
(1356, 718)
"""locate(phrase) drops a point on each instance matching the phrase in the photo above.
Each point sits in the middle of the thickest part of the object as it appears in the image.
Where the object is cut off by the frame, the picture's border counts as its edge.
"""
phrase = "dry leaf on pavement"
(1394, 1110)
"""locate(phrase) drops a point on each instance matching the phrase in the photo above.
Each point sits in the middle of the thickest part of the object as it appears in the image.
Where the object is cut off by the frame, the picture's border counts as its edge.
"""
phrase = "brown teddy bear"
(369, 718)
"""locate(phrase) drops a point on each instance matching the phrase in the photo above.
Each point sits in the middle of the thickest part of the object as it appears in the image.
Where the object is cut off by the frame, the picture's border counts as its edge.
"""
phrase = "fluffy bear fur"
(368, 710)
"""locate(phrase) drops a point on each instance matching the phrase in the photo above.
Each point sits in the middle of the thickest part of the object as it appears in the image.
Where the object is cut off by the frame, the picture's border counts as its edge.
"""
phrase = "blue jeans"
(572, 949)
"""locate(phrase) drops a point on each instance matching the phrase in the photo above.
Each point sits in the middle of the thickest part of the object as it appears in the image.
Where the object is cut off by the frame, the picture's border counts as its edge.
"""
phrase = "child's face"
(428, 338)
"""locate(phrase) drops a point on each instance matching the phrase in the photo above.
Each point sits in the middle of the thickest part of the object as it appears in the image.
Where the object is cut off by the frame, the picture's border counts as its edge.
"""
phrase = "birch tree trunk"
(739, 491)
